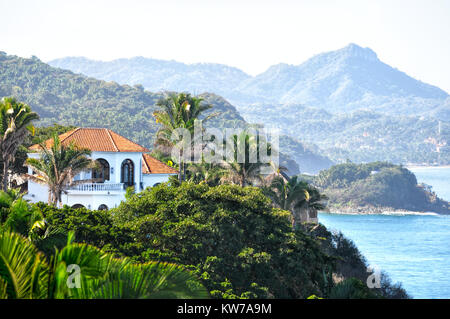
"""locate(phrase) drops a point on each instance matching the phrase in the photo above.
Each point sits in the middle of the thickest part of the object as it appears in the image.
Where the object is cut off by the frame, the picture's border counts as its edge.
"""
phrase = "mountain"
(347, 102)
(361, 135)
(159, 75)
(344, 80)
(338, 81)
(63, 97)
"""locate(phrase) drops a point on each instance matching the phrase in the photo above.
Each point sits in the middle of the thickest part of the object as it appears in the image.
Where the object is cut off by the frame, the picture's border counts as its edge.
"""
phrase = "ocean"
(412, 249)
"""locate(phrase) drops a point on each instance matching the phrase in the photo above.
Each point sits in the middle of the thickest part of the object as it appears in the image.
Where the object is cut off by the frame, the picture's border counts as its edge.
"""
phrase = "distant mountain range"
(159, 75)
(338, 81)
(347, 102)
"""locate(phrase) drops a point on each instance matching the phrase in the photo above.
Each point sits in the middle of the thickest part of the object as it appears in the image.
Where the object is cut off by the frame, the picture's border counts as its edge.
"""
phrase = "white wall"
(93, 200)
(151, 179)
(115, 160)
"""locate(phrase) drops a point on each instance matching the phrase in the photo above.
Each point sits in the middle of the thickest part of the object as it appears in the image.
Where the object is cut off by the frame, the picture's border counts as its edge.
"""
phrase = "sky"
(410, 35)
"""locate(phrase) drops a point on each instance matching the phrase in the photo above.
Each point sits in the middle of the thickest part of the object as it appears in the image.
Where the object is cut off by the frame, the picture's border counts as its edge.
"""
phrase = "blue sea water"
(437, 177)
(412, 249)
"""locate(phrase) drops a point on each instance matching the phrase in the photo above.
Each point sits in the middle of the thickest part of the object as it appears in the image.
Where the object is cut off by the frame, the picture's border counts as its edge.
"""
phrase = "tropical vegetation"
(57, 166)
(376, 186)
(15, 124)
(216, 234)
(297, 196)
(84, 271)
(178, 111)
(61, 96)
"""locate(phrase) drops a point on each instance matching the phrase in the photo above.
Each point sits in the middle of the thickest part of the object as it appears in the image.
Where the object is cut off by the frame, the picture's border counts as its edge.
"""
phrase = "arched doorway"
(127, 173)
(101, 174)
(76, 206)
(102, 207)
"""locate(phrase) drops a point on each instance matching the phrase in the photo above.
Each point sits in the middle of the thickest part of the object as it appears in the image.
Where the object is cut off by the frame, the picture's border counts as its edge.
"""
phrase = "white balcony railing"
(97, 187)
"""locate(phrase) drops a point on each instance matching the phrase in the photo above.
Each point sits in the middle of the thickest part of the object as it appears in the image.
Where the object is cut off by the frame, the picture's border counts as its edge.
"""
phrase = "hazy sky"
(413, 35)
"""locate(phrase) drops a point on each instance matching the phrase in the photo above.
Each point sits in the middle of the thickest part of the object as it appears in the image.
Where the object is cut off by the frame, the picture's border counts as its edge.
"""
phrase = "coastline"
(377, 211)
(416, 166)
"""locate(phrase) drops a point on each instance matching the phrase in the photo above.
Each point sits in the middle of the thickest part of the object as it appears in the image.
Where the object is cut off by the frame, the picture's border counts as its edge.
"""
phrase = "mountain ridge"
(339, 81)
(351, 105)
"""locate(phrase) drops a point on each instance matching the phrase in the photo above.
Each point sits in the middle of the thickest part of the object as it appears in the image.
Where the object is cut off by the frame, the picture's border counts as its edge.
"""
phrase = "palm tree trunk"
(5, 174)
(58, 199)
(179, 167)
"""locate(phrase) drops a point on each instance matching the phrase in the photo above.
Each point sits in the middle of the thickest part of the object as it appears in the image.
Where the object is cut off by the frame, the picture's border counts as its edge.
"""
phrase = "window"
(102, 207)
(101, 173)
(127, 174)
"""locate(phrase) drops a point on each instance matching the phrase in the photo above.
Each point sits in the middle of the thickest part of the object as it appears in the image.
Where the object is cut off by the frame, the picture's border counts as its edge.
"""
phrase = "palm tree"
(242, 174)
(21, 217)
(23, 271)
(296, 196)
(311, 203)
(246, 172)
(15, 125)
(6, 200)
(178, 111)
(287, 193)
(25, 274)
(208, 173)
(57, 167)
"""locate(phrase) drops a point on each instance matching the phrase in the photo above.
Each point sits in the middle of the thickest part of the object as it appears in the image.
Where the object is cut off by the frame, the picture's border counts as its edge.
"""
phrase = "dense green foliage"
(237, 243)
(231, 237)
(26, 274)
(92, 227)
(377, 185)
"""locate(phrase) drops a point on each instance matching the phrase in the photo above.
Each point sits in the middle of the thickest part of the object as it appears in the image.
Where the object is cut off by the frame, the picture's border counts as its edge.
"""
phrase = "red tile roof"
(96, 140)
(151, 165)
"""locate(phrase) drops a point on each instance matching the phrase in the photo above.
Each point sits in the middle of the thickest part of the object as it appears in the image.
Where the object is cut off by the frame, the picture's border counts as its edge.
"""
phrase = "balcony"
(97, 187)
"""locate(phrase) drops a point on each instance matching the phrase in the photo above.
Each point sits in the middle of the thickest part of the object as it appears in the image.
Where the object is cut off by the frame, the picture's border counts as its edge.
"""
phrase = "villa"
(123, 163)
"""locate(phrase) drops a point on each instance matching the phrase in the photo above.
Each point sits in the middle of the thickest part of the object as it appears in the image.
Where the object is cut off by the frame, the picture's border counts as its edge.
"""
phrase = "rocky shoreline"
(368, 210)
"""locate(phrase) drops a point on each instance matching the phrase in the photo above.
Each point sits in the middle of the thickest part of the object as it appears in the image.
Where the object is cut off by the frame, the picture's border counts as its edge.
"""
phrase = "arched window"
(101, 173)
(127, 174)
(102, 207)
(76, 206)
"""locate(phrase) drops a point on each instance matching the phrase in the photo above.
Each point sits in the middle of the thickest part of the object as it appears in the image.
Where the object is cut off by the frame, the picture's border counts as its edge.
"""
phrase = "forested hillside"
(63, 97)
(157, 75)
(348, 102)
(362, 135)
(343, 80)
(374, 187)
